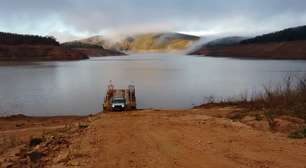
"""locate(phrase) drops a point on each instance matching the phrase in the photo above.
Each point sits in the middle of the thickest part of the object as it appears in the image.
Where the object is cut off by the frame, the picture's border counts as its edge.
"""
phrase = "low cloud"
(70, 19)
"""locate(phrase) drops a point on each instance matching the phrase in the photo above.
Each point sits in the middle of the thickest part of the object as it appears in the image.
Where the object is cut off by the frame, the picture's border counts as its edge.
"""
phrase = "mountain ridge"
(91, 50)
(143, 42)
(285, 44)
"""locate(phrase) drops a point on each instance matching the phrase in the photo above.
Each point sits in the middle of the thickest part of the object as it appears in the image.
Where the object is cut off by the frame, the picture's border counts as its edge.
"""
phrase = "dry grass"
(288, 99)
(299, 134)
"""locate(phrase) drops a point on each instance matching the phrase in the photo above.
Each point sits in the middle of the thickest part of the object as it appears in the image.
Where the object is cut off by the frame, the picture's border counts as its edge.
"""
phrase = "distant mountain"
(159, 42)
(286, 44)
(226, 41)
(149, 42)
(92, 50)
(290, 34)
(77, 44)
(217, 42)
(98, 41)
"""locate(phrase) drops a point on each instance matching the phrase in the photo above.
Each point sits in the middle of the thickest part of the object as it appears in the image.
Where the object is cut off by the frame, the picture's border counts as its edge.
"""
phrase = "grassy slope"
(155, 42)
(147, 42)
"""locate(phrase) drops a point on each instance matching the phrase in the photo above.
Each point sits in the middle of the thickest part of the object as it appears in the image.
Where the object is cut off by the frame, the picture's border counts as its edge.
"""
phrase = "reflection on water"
(162, 81)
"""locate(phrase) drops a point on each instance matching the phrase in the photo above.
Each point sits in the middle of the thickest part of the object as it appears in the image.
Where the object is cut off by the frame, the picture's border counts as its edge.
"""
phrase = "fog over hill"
(145, 42)
(289, 43)
(70, 20)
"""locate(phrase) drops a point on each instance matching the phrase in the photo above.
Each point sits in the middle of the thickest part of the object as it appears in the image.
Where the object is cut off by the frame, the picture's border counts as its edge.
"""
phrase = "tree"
(19, 39)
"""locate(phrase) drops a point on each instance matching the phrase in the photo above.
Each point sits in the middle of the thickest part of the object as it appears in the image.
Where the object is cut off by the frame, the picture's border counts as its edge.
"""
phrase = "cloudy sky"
(72, 19)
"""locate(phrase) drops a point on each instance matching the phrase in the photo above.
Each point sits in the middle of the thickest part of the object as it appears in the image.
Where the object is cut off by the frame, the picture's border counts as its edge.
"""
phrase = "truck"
(119, 100)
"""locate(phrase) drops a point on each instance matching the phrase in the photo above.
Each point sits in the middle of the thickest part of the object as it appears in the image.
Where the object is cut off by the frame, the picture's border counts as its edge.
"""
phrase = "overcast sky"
(72, 19)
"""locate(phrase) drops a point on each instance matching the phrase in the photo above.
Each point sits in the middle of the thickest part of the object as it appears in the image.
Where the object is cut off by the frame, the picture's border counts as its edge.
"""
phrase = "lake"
(162, 81)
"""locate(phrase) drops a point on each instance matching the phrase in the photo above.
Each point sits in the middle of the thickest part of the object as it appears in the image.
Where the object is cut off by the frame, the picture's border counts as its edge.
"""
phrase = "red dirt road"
(182, 139)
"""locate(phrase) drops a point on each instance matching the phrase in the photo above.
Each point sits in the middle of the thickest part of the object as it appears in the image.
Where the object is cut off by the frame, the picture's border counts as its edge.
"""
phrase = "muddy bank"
(202, 137)
(38, 53)
(274, 50)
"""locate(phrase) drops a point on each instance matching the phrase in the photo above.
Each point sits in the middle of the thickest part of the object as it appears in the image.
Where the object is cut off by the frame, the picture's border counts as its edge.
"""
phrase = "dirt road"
(166, 139)
(182, 139)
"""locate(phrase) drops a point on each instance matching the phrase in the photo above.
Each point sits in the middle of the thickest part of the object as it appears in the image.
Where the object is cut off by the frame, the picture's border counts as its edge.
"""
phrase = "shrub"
(300, 134)
(287, 99)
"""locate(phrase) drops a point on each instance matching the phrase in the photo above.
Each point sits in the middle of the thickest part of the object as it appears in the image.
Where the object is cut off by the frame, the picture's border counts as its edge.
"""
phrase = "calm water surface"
(161, 80)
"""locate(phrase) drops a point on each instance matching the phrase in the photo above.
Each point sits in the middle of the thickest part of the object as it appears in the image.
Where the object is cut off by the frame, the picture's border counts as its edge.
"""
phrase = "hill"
(19, 47)
(226, 41)
(19, 39)
(149, 42)
(285, 44)
(77, 44)
(216, 42)
(290, 34)
(159, 42)
(91, 49)
(38, 53)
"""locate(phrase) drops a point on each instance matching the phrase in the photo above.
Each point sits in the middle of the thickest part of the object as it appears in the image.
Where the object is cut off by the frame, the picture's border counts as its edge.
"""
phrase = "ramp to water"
(127, 94)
